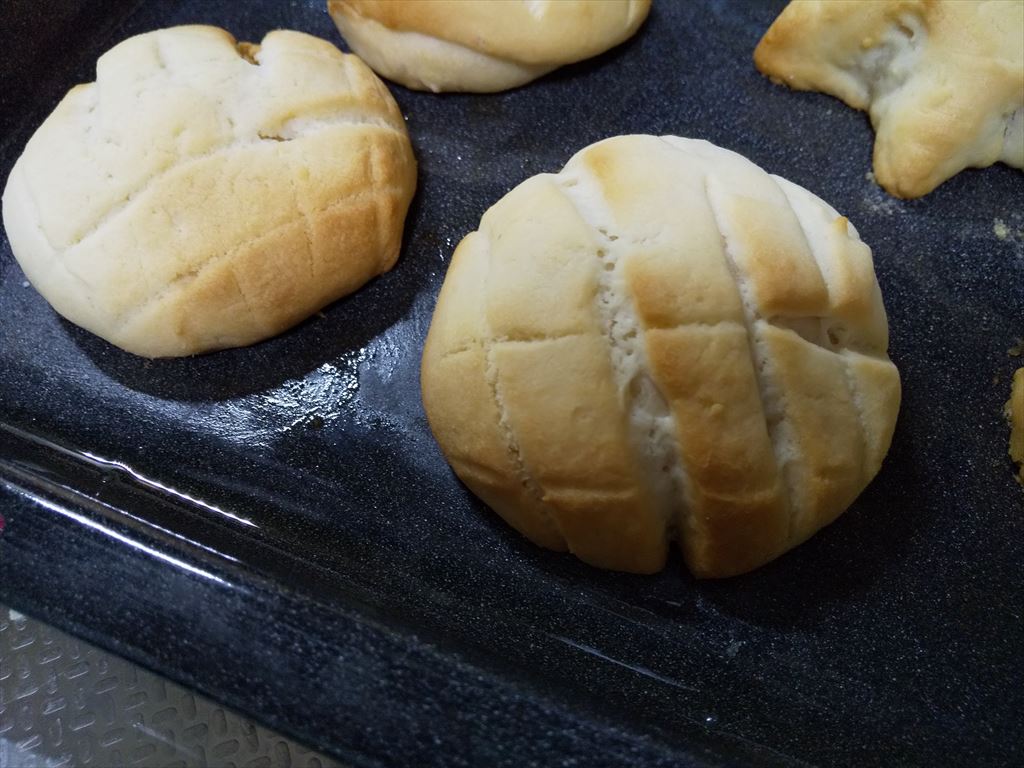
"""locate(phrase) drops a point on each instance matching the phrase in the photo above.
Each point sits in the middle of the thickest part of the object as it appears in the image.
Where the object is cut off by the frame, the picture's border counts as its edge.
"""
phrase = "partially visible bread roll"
(481, 45)
(943, 80)
(1015, 415)
(204, 193)
(662, 341)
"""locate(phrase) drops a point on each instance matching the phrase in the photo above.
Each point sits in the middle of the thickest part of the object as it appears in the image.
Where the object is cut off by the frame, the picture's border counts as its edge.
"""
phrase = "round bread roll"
(204, 193)
(481, 45)
(662, 341)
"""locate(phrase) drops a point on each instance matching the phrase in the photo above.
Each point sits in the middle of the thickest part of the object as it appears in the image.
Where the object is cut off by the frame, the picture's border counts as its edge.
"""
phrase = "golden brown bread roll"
(662, 341)
(481, 45)
(204, 194)
(943, 80)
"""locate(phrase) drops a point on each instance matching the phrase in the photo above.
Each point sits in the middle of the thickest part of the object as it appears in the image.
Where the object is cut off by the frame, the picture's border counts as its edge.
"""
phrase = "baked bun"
(1015, 415)
(943, 80)
(662, 340)
(204, 194)
(481, 45)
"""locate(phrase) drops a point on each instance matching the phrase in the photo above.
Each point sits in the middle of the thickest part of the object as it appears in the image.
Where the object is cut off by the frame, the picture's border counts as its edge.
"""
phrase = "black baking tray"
(275, 526)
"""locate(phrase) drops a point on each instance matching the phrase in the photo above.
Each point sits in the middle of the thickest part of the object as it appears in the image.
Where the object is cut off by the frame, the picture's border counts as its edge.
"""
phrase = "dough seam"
(653, 432)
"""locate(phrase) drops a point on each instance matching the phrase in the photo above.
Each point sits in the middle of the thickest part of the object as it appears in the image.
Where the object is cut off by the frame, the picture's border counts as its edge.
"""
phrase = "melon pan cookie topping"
(204, 193)
(662, 341)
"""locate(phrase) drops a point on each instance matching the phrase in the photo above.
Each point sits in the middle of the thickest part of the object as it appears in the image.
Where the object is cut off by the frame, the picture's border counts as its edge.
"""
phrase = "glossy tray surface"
(275, 525)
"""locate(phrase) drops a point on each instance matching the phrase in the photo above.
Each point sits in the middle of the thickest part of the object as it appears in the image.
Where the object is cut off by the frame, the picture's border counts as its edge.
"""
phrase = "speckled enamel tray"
(276, 527)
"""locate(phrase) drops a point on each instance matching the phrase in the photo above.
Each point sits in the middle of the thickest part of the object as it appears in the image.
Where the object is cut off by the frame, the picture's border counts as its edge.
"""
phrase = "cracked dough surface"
(203, 194)
(942, 80)
(662, 340)
(481, 45)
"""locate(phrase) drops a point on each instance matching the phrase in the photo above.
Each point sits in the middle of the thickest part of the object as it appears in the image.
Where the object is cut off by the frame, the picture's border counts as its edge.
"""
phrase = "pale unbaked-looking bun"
(662, 340)
(943, 80)
(204, 193)
(481, 45)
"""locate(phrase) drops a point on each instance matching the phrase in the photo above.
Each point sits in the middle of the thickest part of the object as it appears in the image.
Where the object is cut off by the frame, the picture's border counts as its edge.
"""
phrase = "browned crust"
(775, 434)
(568, 30)
(951, 108)
(192, 236)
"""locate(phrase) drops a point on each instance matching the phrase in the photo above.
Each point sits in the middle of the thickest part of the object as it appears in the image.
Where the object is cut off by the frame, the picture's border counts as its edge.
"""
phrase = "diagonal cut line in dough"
(491, 374)
(461, 349)
(245, 298)
(784, 324)
(856, 396)
(360, 119)
(306, 226)
(723, 324)
(535, 339)
(309, 240)
(158, 52)
(378, 213)
(31, 208)
(1014, 125)
(351, 200)
(474, 343)
(758, 361)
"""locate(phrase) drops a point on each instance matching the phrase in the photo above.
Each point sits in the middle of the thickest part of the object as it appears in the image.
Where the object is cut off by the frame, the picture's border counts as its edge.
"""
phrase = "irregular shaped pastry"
(1015, 414)
(662, 340)
(481, 45)
(204, 194)
(943, 80)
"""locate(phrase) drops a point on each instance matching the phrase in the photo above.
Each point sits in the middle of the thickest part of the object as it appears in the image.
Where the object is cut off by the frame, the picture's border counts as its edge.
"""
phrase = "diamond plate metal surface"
(64, 703)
